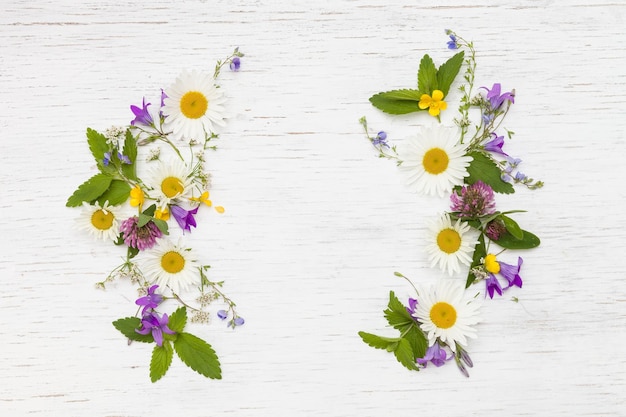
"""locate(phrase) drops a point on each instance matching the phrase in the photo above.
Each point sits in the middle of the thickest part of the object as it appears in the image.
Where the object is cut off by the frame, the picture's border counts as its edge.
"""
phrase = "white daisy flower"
(100, 221)
(171, 180)
(433, 161)
(171, 265)
(451, 244)
(194, 105)
(447, 312)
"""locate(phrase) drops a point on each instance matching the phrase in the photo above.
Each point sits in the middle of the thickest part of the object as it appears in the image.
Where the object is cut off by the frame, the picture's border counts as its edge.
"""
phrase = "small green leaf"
(427, 76)
(97, 145)
(389, 103)
(130, 150)
(508, 241)
(150, 210)
(178, 319)
(116, 194)
(396, 314)
(162, 225)
(127, 327)
(198, 355)
(143, 220)
(416, 338)
(483, 168)
(480, 251)
(448, 71)
(512, 227)
(90, 190)
(404, 355)
(161, 360)
(378, 342)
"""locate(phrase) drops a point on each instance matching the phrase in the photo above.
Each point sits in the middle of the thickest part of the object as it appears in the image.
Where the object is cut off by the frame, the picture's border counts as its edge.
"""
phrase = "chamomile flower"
(171, 180)
(193, 106)
(100, 221)
(447, 312)
(451, 244)
(171, 265)
(434, 162)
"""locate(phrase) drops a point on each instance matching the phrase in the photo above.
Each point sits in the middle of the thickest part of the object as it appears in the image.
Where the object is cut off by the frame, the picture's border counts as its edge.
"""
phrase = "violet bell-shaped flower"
(183, 217)
(492, 285)
(142, 115)
(495, 145)
(151, 300)
(511, 272)
(155, 324)
(435, 354)
(496, 100)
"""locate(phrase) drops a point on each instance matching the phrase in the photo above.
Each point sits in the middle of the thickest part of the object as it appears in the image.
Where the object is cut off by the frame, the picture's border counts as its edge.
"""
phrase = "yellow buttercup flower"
(136, 197)
(204, 198)
(491, 264)
(434, 104)
(163, 214)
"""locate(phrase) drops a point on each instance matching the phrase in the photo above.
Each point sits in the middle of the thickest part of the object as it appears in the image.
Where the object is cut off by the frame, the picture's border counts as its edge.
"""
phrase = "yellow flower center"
(443, 315)
(102, 220)
(172, 186)
(435, 161)
(172, 262)
(491, 264)
(449, 240)
(194, 104)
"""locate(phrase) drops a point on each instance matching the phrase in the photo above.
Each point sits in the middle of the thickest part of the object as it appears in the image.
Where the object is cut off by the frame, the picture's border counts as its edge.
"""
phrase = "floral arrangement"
(138, 193)
(467, 162)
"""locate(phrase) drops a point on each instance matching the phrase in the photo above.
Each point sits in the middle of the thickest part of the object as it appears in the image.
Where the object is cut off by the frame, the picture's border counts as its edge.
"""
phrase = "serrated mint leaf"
(198, 355)
(483, 168)
(416, 338)
(448, 71)
(178, 320)
(508, 241)
(127, 327)
(512, 227)
(130, 150)
(116, 194)
(97, 145)
(161, 360)
(427, 76)
(389, 103)
(404, 355)
(378, 342)
(90, 190)
(396, 314)
(479, 253)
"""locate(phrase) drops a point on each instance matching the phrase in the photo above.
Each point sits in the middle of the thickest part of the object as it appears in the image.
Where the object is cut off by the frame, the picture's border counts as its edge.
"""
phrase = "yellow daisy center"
(172, 186)
(491, 264)
(102, 220)
(194, 104)
(172, 262)
(435, 161)
(443, 315)
(449, 240)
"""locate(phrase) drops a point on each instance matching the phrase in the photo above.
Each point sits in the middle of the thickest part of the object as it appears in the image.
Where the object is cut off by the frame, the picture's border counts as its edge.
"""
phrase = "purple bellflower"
(183, 217)
(495, 144)
(496, 99)
(142, 115)
(150, 301)
(435, 354)
(511, 272)
(493, 285)
(156, 325)
(412, 306)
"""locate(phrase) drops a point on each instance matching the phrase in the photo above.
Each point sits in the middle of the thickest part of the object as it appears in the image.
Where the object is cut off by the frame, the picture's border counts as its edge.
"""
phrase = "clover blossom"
(183, 217)
(137, 237)
(495, 229)
(435, 354)
(156, 325)
(149, 301)
(142, 115)
(475, 200)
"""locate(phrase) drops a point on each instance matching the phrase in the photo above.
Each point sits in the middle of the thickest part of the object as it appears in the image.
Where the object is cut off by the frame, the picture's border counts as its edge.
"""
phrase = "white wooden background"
(315, 223)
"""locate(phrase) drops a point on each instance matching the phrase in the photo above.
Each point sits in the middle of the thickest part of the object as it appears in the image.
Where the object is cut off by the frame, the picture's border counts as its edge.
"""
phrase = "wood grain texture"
(315, 223)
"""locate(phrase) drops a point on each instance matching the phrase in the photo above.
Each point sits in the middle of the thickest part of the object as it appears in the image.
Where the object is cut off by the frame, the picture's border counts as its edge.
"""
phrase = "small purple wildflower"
(222, 314)
(183, 217)
(495, 144)
(151, 300)
(511, 272)
(475, 200)
(492, 285)
(235, 64)
(123, 158)
(412, 306)
(465, 357)
(496, 100)
(142, 115)
(238, 321)
(107, 159)
(141, 238)
(520, 176)
(452, 43)
(155, 324)
(380, 139)
(435, 354)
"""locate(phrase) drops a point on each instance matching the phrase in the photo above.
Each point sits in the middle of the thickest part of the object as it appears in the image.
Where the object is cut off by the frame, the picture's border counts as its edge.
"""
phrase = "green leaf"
(130, 150)
(427, 76)
(448, 71)
(161, 360)
(416, 338)
(116, 194)
(483, 168)
(127, 327)
(508, 241)
(394, 102)
(512, 227)
(143, 219)
(378, 342)
(178, 319)
(97, 145)
(162, 225)
(480, 251)
(396, 314)
(90, 190)
(405, 355)
(198, 355)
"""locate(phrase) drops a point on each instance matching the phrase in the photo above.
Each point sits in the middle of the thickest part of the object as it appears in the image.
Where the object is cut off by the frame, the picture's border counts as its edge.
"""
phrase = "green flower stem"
(220, 64)
(379, 148)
